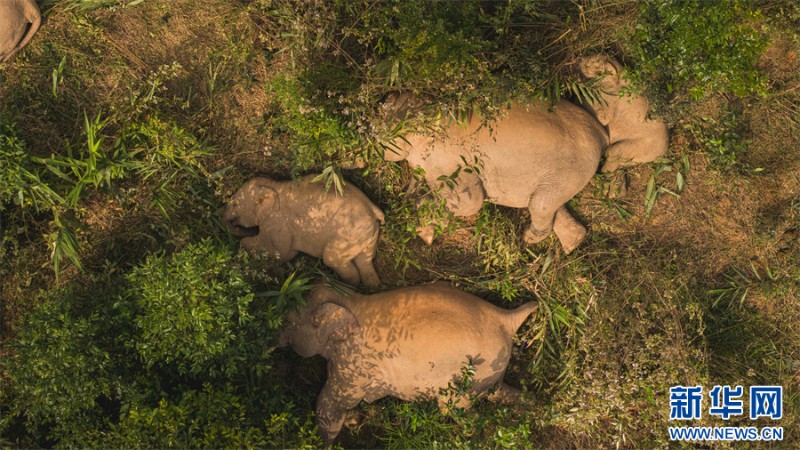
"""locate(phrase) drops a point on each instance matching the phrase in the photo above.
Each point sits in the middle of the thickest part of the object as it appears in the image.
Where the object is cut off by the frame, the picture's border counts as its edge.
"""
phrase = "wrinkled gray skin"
(532, 158)
(299, 216)
(15, 18)
(407, 343)
(633, 138)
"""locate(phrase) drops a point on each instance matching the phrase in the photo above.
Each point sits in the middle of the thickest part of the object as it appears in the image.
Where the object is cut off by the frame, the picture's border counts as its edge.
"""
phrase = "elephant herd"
(412, 343)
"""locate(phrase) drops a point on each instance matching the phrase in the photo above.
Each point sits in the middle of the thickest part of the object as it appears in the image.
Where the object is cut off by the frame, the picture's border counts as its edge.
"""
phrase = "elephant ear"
(334, 323)
(597, 66)
(266, 200)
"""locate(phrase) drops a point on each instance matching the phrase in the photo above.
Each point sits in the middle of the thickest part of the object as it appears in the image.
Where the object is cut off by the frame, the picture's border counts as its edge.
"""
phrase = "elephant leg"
(342, 265)
(569, 231)
(332, 409)
(543, 211)
(467, 196)
(366, 269)
(464, 199)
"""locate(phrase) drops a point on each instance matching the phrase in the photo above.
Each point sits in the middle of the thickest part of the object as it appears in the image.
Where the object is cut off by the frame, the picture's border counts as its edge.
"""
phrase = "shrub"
(214, 417)
(66, 363)
(346, 56)
(695, 48)
(176, 353)
(188, 306)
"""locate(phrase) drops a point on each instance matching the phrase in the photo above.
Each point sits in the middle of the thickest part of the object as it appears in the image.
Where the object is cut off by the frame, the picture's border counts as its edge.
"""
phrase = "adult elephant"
(535, 156)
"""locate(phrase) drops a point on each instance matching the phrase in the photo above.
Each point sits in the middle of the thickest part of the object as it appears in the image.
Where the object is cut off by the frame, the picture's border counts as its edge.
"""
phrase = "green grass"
(130, 319)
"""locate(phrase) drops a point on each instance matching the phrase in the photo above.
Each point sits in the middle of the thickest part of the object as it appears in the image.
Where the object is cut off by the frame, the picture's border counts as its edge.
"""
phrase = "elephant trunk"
(232, 218)
(378, 214)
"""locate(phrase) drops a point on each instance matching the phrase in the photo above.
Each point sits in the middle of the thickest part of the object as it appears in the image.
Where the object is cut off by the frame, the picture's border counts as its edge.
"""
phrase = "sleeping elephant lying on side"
(531, 157)
(407, 343)
(283, 218)
(15, 18)
(535, 156)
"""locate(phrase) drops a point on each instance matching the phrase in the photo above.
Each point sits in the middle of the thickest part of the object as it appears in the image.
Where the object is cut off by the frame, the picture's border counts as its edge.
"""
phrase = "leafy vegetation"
(169, 355)
(695, 48)
(130, 319)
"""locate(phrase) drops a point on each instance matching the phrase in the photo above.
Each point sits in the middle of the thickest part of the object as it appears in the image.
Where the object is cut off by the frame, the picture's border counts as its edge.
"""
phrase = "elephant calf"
(285, 218)
(15, 16)
(407, 343)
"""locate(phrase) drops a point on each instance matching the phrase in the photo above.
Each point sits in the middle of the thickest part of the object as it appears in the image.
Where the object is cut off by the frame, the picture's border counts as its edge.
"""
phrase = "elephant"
(410, 343)
(284, 218)
(536, 157)
(633, 138)
(15, 16)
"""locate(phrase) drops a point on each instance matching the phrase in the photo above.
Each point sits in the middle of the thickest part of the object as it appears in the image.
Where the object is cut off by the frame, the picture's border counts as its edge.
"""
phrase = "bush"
(347, 56)
(67, 362)
(188, 306)
(120, 361)
(695, 48)
(207, 418)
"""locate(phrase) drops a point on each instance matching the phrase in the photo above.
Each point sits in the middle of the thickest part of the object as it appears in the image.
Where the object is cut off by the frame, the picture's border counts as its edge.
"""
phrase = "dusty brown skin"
(633, 138)
(15, 16)
(531, 157)
(407, 343)
(300, 216)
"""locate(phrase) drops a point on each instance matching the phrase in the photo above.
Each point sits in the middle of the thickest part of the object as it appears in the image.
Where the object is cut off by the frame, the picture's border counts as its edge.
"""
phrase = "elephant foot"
(573, 244)
(426, 233)
(569, 231)
(571, 237)
(371, 280)
(532, 236)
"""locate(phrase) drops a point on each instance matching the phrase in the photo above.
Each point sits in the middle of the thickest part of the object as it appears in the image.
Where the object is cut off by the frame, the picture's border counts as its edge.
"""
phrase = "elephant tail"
(378, 214)
(516, 317)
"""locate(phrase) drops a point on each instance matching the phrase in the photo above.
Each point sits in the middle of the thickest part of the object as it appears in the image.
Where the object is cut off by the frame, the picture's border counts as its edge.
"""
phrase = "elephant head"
(250, 205)
(633, 137)
(319, 327)
(399, 107)
(607, 74)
